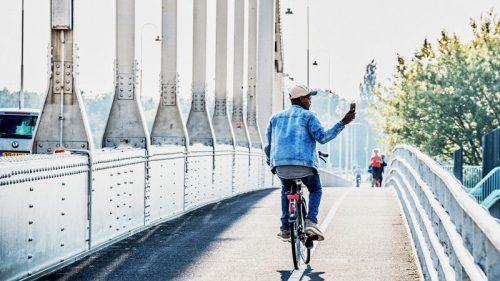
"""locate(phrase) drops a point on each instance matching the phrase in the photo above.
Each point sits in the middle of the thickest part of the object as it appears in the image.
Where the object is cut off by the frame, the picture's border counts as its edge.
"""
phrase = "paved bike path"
(230, 240)
(367, 240)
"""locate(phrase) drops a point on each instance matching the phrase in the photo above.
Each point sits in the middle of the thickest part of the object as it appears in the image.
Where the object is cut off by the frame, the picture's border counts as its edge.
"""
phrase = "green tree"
(446, 99)
(369, 81)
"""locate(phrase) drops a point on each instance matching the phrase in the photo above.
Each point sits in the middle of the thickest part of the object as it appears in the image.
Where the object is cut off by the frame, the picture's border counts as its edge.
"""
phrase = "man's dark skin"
(305, 103)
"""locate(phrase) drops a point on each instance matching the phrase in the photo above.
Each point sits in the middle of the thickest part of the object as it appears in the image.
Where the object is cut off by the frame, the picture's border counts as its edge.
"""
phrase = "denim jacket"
(292, 135)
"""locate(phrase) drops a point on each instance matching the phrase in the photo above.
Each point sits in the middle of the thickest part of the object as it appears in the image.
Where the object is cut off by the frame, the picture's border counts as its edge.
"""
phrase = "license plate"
(9, 153)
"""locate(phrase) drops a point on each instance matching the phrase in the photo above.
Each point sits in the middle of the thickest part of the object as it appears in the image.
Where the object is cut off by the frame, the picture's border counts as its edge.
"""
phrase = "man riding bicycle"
(291, 153)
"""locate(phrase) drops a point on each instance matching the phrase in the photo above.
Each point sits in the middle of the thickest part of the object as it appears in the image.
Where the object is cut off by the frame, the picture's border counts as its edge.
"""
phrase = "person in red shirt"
(376, 162)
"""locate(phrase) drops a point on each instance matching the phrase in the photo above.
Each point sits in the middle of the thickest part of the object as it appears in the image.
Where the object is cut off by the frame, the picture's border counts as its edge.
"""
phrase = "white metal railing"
(471, 175)
(456, 238)
(485, 191)
(53, 211)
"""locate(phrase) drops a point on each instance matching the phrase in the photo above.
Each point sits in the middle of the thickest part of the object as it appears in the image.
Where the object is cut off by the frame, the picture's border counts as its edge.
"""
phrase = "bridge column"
(253, 129)
(199, 127)
(265, 73)
(126, 125)
(221, 122)
(168, 127)
(62, 121)
(238, 122)
(278, 97)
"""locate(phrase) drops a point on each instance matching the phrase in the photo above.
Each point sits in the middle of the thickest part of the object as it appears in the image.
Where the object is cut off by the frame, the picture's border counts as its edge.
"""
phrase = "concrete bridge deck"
(366, 239)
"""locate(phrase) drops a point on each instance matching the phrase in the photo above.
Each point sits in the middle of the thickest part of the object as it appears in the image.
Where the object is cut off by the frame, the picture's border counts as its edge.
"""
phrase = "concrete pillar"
(253, 127)
(62, 121)
(168, 127)
(199, 126)
(238, 122)
(222, 124)
(126, 125)
(265, 71)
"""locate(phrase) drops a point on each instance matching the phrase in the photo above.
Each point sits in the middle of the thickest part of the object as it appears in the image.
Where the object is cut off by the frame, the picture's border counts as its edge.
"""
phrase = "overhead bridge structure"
(195, 193)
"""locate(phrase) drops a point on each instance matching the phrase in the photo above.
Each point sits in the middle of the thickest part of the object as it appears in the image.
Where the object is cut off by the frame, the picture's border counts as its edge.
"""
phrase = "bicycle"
(301, 242)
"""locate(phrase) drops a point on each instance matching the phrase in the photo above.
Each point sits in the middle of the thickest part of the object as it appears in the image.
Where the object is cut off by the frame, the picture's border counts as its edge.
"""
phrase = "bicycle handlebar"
(322, 156)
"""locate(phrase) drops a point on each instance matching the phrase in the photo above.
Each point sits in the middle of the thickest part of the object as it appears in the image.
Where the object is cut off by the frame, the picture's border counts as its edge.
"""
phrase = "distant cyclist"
(291, 152)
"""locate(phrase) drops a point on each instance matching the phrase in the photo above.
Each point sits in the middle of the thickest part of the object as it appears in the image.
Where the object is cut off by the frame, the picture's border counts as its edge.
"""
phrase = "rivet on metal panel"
(62, 214)
(30, 239)
(110, 226)
(30, 256)
(111, 200)
(62, 244)
(62, 228)
(30, 222)
(63, 199)
(31, 205)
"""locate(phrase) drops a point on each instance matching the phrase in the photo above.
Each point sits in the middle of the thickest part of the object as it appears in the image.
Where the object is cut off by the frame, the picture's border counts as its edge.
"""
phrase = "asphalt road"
(235, 239)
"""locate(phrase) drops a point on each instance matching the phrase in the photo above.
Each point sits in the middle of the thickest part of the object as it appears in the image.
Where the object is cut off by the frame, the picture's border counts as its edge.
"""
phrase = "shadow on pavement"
(285, 274)
(165, 251)
(313, 276)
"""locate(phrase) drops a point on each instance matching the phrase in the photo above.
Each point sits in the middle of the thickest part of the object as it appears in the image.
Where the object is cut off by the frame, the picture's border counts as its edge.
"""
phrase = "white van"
(16, 130)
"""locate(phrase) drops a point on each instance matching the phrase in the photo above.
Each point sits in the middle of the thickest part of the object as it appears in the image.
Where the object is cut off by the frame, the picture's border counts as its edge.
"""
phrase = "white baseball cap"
(301, 91)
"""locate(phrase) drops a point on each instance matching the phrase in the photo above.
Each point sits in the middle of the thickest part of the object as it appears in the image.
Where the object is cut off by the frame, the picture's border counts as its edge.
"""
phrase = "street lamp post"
(142, 41)
(290, 12)
(21, 94)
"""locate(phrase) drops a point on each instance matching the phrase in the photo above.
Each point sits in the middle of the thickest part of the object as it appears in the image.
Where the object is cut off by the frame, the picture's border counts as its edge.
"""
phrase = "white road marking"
(298, 273)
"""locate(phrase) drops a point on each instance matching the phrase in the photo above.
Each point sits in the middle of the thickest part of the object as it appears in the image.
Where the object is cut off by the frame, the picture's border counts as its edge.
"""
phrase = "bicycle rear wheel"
(300, 253)
(305, 242)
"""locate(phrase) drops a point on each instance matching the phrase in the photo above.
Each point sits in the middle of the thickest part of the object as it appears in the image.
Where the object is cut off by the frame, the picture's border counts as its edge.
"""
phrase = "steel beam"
(168, 127)
(199, 126)
(265, 71)
(253, 127)
(239, 123)
(63, 121)
(126, 125)
(222, 125)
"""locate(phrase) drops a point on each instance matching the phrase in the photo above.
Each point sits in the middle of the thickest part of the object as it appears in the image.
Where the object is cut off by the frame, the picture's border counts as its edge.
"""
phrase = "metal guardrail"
(53, 211)
(486, 187)
(455, 238)
(471, 175)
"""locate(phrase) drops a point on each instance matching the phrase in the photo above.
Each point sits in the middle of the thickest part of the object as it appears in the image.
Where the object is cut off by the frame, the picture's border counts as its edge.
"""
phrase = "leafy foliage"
(367, 86)
(445, 99)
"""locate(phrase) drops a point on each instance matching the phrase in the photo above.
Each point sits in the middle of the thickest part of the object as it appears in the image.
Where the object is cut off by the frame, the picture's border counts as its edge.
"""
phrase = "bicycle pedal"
(309, 244)
(313, 237)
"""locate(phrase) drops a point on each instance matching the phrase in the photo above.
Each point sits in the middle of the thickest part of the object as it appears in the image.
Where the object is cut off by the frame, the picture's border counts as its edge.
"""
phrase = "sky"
(344, 37)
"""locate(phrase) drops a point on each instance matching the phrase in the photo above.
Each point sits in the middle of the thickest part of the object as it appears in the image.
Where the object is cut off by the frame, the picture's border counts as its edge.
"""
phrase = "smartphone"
(353, 106)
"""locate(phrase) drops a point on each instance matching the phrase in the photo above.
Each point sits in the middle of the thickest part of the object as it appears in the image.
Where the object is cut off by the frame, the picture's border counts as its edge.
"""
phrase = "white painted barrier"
(51, 216)
(456, 238)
